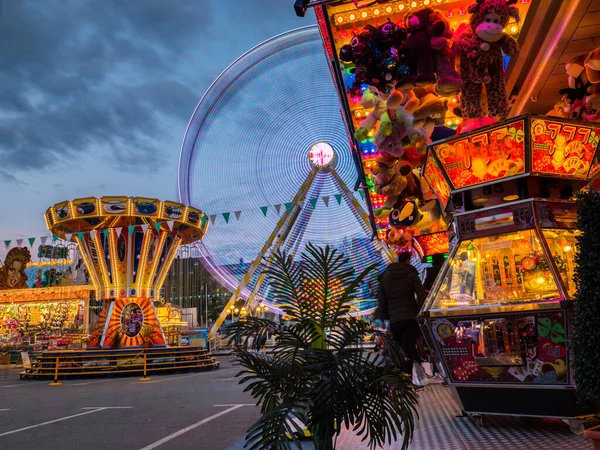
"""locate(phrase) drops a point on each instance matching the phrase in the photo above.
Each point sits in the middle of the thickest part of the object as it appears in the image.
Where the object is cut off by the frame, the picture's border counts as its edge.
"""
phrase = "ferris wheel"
(267, 156)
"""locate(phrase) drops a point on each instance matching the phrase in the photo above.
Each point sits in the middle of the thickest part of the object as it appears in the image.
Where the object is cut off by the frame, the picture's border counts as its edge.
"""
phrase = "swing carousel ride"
(128, 245)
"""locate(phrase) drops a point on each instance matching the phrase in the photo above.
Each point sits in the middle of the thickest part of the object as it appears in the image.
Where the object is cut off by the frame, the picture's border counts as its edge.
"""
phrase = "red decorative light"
(323, 27)
(450, 14)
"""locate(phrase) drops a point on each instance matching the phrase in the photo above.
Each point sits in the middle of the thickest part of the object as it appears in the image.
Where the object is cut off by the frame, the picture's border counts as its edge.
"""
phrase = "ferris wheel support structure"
(288, 222)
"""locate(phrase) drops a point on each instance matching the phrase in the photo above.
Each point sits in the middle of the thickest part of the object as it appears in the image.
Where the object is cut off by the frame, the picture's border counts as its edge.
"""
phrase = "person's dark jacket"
(397, 289)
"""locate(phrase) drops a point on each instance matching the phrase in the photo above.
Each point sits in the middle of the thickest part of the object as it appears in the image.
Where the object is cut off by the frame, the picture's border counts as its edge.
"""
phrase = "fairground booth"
(44, 297)
(474, 125)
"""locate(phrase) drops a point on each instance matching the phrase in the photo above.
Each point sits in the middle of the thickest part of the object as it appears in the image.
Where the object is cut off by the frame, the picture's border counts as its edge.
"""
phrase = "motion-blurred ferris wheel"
(267, 156)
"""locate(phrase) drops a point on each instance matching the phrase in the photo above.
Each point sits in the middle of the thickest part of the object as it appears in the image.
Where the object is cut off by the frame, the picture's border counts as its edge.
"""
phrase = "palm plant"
(318, 375)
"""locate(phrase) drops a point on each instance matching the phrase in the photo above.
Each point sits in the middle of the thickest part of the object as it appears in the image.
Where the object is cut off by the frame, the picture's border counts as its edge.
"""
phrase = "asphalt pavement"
(192, 410)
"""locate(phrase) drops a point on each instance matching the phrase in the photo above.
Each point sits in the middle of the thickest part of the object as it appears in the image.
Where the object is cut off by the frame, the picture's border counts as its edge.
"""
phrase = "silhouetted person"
(398, 286)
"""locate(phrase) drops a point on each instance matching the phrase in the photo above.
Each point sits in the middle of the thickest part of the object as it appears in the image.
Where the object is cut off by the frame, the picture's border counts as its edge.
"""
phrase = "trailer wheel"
(576, 426)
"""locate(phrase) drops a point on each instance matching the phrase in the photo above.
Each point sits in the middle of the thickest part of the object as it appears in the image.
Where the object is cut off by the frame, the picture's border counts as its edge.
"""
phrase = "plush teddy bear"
(417, 47)
(399, 237)
(449, 82)
(402, 125)
(373, 98)
(481, 49)
(430, 106)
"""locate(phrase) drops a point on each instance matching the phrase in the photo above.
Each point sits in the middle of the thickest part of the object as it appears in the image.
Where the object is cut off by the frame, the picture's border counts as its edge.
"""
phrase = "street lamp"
(231, 309)
(243, 311)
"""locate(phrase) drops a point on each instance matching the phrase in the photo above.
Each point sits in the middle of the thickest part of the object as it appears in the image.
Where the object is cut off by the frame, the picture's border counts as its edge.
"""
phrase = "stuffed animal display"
(480, 51)
(404, 72)
(581, 99)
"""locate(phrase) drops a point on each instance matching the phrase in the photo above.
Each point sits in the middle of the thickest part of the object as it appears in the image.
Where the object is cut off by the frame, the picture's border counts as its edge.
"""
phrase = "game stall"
(396, 68)
(500, 312)
(44, 299)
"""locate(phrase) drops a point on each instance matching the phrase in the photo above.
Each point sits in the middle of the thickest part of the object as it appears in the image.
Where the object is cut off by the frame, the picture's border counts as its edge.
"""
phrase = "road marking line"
(90, 382)
(25, 383)
(107, 407)
(191, 427)
(91, 411)
(238, 404)
(225, 379)
(178, 378)
(4, 409)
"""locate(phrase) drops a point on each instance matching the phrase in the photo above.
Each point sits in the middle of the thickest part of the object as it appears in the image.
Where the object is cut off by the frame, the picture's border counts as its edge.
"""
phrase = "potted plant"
(587, 315)
(317, 374)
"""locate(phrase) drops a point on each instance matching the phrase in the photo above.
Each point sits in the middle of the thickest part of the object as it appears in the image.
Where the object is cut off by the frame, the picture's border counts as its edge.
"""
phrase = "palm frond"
(276, 429)
(270, 380)
(295, 339)
(257, 329)
(389, 407)
(284, 278)
(347, 331)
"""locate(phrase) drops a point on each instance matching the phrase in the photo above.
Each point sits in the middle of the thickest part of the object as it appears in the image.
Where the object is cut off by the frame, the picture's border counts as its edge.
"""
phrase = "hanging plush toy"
(373, 98)
(420, 55)
(449, 82)
(569, 106)
(592, 101)
(481, 49)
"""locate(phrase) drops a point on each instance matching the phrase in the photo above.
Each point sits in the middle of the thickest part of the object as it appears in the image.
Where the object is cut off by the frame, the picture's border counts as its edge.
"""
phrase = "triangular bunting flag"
(19, 242)
(264, 210)
(277, 208)
(68, 237)
(204, 220)
(119, 230)
(237, 214)
(54, 238)
(93, 233)
(144, 227)
(31, 241)
(362, 194)
(7, 244)
(288, 207)
(44, 239)
(213, 217)
(313, 202)
(338, 197)
(170, 224)
(157, 226)
(326, 200)
(131, 229)
(226, 217)
(105, 232)
(80, 235)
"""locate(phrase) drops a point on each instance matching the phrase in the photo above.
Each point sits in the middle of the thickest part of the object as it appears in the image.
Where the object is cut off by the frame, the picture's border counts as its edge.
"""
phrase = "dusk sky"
(95, 95)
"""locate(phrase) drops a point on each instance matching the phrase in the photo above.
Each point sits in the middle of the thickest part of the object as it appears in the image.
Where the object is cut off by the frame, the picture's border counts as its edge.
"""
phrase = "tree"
(587, 300)
(317, 374)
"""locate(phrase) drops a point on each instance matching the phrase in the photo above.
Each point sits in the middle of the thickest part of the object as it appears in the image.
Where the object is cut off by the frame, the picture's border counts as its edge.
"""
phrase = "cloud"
(83, 76)
(9, 178)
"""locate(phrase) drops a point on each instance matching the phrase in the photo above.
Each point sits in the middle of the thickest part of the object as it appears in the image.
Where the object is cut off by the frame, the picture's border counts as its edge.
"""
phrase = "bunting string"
(313, 202)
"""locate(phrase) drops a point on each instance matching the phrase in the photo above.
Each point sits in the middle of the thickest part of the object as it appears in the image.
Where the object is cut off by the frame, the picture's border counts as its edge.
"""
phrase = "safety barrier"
(80, 363)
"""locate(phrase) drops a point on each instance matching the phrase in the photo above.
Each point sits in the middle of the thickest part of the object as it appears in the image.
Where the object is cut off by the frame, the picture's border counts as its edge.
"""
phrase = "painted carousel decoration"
(128, 244)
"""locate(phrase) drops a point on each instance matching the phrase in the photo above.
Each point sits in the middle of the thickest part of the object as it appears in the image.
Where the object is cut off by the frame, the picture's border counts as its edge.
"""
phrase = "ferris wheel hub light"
(321, 154)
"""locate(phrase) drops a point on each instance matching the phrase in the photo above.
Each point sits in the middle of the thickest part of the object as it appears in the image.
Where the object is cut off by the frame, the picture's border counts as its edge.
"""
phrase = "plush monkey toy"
(481, 49)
